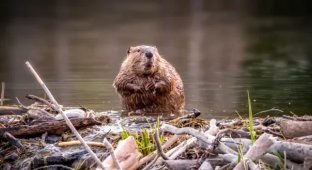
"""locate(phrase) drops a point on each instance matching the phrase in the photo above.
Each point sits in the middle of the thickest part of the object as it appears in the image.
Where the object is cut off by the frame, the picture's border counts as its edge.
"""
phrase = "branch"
(111, 151)
(256, 151)
(2, 93)
(187, 130)
(158, 146)
(68, 122)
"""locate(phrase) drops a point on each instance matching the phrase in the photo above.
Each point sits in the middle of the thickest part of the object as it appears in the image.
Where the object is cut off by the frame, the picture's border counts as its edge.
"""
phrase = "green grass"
(144, 140)
(250, 122)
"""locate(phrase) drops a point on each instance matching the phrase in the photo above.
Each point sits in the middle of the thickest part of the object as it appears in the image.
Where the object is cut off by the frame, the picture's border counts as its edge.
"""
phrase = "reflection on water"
(220, 50)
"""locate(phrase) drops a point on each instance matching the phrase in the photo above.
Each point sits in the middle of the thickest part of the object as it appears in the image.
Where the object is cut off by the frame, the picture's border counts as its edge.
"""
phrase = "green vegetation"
(144, 140)
(250, 122)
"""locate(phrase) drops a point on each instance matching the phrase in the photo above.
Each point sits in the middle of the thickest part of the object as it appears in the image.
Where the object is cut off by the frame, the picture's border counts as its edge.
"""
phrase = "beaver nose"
(149, 55)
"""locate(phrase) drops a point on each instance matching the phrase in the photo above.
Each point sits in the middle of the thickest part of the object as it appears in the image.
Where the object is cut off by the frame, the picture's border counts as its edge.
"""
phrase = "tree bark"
(291, 129)
(52, 127)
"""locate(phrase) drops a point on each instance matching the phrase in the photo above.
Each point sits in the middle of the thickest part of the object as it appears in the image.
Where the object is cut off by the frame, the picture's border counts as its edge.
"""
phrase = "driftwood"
(187, 130)
(291, 129)
(52, 127)
(237, 143)
(303, 118)
(11, 110)
(255, 152)
(181, 164)
(206, 165)
(295, 151)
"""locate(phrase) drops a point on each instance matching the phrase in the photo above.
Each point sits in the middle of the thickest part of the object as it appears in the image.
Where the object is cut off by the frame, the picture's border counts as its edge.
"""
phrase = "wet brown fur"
(154, 89)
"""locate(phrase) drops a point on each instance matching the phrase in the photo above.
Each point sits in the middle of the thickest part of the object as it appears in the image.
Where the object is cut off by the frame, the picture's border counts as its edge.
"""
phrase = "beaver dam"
(44, 135)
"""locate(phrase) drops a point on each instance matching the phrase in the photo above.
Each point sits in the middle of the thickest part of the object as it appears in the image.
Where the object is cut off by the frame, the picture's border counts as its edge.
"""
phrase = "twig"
(14, 141)
(187, 130)
(68, 122)
(166, 145)
(2, 93)
(158, 146)
(269, 110)
(39, 99)
(20, 103)
(77, 142)
(148, 166)
(112, 153)
(297, 118)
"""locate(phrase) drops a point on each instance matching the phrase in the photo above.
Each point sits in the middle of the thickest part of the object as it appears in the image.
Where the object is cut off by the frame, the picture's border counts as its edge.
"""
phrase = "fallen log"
(11, 110)
(296, 152)
(291, 129)
(181, 164)
(52, 127)
(59, 158)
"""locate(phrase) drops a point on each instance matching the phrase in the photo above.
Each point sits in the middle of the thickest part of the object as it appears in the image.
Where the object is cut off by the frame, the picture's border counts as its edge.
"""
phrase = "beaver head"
(143, 59)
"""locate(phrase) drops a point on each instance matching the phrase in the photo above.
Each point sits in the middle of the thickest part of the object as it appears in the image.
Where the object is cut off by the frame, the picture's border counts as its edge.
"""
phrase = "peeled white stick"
(59, 109)
(2, 93)
(112, 153)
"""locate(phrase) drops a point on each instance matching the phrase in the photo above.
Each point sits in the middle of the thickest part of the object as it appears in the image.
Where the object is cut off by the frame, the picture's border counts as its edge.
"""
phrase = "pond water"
(220, 49)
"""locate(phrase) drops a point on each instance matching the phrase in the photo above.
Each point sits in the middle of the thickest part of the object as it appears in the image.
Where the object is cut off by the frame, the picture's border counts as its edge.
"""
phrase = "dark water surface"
(220, 49)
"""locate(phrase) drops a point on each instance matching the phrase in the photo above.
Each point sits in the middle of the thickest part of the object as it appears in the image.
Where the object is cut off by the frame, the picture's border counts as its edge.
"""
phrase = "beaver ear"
(129, 50)
(155, 48)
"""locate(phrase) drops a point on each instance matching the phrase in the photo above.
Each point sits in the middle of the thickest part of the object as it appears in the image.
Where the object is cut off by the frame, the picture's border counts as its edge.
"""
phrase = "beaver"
(147, 83)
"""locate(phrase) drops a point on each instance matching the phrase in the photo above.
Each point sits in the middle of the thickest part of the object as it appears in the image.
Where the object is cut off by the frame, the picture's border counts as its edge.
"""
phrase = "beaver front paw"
(160, 87)
(133, 88)
(150, 87)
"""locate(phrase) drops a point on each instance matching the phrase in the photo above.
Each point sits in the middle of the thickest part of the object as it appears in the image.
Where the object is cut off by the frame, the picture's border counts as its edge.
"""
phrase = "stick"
(166, 145)
(77, 142)
(158, 146)
(39, 99)
(258, 149)
(269, 110)
(2, 92)
(14, 141)
(111, 151)
(187, 130)
(59, 109)
(148, 166)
